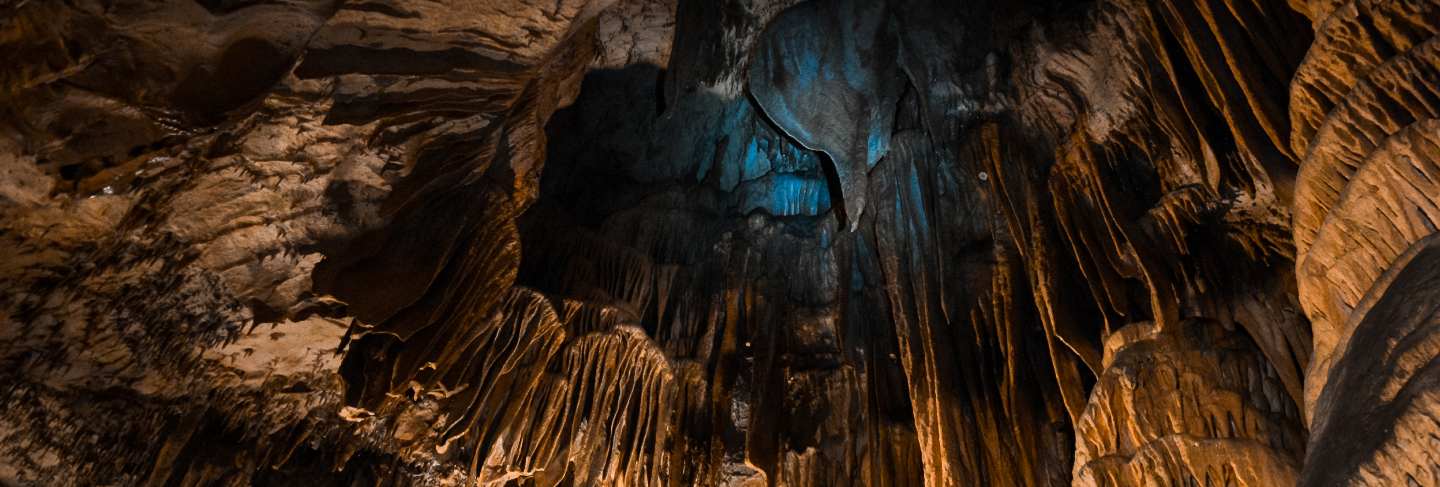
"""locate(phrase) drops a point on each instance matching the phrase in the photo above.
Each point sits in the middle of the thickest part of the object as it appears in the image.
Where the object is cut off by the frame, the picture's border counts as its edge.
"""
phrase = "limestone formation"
(719, 242)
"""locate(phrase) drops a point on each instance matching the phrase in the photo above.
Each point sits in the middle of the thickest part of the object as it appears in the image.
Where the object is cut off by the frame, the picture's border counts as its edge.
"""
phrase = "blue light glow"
(785, 195)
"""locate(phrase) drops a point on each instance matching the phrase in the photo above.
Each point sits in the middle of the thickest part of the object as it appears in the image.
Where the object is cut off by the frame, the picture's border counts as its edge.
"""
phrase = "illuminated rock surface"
(719, 242)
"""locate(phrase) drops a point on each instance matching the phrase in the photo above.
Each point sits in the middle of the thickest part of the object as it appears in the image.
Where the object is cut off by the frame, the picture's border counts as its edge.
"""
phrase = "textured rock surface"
(1363, 197)
(1364, 223)
(1377, 411)
(718, 242)
(1195, 404)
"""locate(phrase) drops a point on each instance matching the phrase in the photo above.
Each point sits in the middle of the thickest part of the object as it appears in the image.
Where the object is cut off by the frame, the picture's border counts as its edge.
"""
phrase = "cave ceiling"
(719, 242)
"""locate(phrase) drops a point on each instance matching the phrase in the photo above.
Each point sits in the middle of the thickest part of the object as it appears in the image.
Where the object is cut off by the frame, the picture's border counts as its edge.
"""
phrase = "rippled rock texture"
(719, 242)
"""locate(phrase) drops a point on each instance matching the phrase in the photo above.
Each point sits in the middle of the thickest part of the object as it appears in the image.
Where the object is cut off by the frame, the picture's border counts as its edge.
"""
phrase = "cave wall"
(720, 242)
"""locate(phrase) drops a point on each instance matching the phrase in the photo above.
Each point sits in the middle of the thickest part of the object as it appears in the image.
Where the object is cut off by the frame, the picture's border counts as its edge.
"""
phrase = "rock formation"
(719, 242)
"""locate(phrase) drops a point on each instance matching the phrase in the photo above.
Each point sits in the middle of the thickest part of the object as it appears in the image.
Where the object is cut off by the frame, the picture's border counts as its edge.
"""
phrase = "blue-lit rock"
(826, 75)
(784, 195)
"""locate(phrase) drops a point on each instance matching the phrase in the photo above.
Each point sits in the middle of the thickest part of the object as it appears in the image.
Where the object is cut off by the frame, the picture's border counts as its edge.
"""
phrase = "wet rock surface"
(728, 242)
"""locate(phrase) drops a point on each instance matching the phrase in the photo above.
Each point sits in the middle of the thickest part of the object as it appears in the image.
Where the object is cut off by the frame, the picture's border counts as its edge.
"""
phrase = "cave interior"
(719, 242)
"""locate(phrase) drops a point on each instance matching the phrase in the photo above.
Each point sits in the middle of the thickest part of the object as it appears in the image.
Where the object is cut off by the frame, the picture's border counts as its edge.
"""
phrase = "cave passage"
(719, 242)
